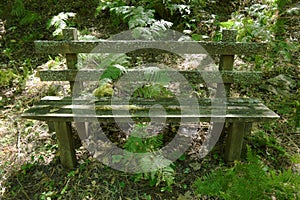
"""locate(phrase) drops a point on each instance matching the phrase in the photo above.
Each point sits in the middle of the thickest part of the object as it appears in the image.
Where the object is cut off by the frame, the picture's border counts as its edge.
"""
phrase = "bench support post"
(234, 141)
(51, 128)
(65, 144)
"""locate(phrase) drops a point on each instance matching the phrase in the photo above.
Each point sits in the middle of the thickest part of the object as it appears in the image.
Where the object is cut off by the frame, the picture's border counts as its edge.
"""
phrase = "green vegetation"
(140, 142)
(29, 168)
(59, 22)
(249, 180)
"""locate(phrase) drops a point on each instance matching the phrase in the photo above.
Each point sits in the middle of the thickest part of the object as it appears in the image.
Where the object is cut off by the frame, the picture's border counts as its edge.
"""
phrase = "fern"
(138, 17)
(251, 180)
(112, 59)
(156, 79)
(25, 16)
(135, 145)
(30, 18)
(59, 22)
(162, 176)
(113, 72)
(152, 91)
(140, 20)
(106, 5)
(139, 143)
(285, 185)
(18, 9)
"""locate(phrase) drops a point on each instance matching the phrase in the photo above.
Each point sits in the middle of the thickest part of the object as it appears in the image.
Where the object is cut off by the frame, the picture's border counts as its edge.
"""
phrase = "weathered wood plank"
(169, 118)
(68, 100)
(233, 110)
(244, 77)
(65, 144)
(123, 46)
(203, 112)
(48, 110)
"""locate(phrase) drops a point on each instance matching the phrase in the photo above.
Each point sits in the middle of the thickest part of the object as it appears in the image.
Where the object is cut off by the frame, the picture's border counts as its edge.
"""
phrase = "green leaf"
(196, 37)
(227, 25)
(113, 72)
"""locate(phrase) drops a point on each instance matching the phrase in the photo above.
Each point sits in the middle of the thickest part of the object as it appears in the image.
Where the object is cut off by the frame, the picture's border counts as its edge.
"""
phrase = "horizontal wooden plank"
(68, 100)
(124, 46)
(246, 77)
(238, 111)
(233, 110)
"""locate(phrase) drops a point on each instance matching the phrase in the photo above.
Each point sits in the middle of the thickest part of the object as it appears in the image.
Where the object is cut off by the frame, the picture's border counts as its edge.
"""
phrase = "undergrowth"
(250, 180)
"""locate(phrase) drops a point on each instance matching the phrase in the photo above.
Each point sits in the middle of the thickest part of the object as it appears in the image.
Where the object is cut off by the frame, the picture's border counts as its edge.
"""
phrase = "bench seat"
(53, 108)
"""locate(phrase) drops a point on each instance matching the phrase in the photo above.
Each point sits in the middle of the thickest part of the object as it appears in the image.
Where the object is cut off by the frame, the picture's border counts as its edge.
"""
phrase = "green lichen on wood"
(243, 77)
(180, 47)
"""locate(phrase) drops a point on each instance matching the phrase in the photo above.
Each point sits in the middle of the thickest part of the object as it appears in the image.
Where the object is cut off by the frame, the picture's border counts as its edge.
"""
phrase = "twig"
(19, 144)
(22, 189)
(298, 149)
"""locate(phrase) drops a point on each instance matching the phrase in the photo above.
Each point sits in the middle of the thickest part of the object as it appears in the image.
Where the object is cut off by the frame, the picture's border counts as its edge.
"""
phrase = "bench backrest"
(226, 50)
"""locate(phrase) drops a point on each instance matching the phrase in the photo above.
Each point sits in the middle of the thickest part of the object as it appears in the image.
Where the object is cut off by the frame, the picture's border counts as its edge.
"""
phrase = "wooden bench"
(239, 114)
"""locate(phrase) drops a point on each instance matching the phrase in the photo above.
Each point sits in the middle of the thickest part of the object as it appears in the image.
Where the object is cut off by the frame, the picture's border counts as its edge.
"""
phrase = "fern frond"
(18, 9)
(59, 22)
(30, 18)
(113, 72)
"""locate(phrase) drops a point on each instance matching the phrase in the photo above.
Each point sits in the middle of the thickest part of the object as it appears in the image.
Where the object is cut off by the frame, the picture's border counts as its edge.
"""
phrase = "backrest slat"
(180, 47)
(192, 76)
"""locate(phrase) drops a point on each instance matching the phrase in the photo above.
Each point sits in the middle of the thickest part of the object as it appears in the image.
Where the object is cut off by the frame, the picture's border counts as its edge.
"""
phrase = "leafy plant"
(154, 90)
(18, 9)
(137, 143)
(140, 142)
(135, 16)
(141, 21)
(6, 77)
(120, 61)
(255, 24)
(26, 17)
(263, 22)
(251, 180)
(113, 72)
(60, 21)
(30, 18)
(164, 176)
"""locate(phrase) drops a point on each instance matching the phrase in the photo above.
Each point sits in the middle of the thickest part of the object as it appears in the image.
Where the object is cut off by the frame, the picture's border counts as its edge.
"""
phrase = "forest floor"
(29, 165)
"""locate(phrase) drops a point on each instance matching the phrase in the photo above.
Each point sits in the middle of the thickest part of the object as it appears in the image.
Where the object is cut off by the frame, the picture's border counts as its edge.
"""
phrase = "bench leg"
(65, 144)
(51, 127)
(234, 141)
